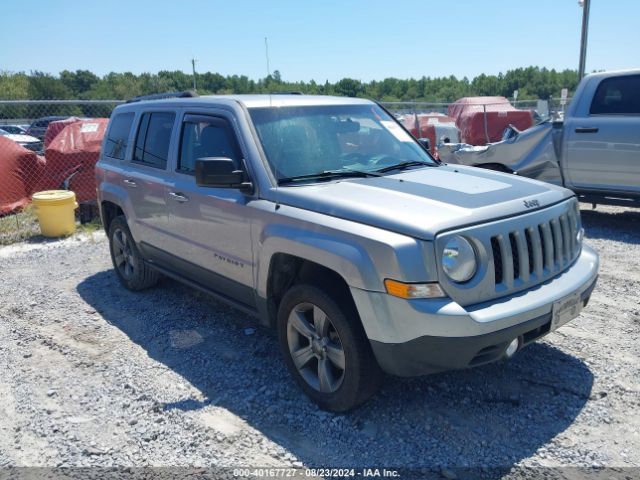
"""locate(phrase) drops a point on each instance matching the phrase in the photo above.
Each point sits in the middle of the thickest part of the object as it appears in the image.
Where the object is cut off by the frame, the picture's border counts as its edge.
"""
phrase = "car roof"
(51, 118)
(280, 100)
(615, 73)
(253, 101)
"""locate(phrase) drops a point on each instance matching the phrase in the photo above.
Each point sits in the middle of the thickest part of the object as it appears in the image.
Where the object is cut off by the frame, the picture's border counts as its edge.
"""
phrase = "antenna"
(266, 51)
(193, 67)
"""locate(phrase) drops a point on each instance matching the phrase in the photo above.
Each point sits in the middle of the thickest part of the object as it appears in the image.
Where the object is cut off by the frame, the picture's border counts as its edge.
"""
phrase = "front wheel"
(325, 349)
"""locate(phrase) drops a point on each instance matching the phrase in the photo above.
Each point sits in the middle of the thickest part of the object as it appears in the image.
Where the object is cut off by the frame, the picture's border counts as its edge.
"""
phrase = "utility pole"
(583, 39)
(193, 67)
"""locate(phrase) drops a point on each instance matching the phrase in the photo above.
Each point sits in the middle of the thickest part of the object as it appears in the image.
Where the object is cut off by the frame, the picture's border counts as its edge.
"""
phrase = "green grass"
(24, 225)
(19, 226)
(89, 228)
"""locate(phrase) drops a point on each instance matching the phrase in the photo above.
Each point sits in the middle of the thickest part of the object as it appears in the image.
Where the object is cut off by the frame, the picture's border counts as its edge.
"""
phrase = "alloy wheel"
(315, 348)
(123, 254)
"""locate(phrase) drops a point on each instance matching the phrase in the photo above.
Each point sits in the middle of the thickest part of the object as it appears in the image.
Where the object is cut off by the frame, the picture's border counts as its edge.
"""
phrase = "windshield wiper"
(403, 165)
(328, 174)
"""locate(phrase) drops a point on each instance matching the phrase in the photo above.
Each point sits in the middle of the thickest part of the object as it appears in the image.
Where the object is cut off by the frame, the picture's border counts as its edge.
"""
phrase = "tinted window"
(154, 135)
(203, 137)
(617, 96)
(119, 128)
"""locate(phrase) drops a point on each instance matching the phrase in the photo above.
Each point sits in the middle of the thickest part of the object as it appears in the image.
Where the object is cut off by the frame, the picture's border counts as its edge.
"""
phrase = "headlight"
(459, 259)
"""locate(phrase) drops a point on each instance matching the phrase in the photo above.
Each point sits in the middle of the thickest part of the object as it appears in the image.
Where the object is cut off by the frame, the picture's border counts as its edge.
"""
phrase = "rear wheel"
(325, 349)
(132, 272)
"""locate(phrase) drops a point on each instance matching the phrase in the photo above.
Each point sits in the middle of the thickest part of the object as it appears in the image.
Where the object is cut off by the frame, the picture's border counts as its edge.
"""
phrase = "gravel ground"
(94, 375)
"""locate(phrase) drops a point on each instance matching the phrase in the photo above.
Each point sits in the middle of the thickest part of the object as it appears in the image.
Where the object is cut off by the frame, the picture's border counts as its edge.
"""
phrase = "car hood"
(21, 138)
(424, 202)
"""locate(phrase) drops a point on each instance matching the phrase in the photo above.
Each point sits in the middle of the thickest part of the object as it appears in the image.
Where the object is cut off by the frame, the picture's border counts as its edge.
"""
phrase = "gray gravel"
(93, 375)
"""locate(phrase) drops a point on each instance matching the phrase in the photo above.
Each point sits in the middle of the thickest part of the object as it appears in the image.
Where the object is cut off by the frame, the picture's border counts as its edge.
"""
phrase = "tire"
(132, 272)
(323, 333)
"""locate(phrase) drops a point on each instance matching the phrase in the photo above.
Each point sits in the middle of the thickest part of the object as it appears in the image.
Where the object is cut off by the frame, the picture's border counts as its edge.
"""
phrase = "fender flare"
(108, 192)
(348, 259)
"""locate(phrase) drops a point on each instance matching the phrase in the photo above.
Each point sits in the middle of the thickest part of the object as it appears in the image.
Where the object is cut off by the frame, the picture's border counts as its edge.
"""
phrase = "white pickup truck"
(594, 151)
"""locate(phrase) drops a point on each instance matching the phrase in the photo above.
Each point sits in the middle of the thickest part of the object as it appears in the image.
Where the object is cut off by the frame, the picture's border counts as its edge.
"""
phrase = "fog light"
(512, 348)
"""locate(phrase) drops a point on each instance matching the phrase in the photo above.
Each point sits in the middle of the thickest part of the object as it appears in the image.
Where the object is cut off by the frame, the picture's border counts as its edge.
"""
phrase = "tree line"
(531, 83)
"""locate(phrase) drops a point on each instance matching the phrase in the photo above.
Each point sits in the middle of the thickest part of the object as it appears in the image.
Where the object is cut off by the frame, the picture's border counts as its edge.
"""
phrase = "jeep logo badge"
(531, 203)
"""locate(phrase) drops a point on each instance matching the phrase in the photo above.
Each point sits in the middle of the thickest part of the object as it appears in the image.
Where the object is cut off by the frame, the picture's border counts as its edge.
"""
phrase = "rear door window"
(617, 96)
(118, 136)
(154, 136)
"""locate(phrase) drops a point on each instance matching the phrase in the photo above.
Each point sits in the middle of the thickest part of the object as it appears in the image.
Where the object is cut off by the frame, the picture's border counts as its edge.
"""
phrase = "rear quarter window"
(118, 136)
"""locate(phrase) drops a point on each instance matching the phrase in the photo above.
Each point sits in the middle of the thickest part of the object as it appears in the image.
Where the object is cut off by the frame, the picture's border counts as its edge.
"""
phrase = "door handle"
(130, 183)
(178, 197)
(587, 130)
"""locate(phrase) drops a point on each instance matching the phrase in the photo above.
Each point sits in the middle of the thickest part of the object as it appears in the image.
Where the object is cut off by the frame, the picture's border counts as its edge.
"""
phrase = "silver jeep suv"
(324, 218)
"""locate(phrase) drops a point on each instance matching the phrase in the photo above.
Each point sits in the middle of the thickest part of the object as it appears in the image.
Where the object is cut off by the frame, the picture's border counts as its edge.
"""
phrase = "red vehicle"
(437, 127)
(21, 173)
(55, 127)
(482, 120)
(71, 158)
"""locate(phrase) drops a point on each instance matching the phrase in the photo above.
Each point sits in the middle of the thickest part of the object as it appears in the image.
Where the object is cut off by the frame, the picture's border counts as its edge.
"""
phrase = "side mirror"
(426, 143)
(218, 172)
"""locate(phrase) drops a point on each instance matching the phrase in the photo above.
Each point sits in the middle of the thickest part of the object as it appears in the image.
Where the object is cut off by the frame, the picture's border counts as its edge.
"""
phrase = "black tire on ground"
(132, 272)
(302, 317)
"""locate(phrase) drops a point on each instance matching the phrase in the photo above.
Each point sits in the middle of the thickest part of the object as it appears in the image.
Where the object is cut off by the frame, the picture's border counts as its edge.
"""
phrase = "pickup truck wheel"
(127, 261)
(325, 349)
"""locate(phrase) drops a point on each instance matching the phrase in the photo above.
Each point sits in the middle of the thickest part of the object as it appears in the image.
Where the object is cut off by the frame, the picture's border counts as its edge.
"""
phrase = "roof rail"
(286, 93)
(161, 96)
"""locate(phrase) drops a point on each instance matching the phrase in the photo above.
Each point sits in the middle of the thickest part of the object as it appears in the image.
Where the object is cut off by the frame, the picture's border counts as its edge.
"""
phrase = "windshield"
(303, 141)
(10, 129)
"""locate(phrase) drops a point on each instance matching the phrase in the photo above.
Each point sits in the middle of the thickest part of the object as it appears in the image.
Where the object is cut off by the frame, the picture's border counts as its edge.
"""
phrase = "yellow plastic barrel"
(54, 209)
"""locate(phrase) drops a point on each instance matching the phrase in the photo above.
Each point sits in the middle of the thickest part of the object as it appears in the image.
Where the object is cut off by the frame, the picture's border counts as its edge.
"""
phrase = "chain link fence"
(473, 120)
(552, 108)
(55, 144)
(47, 145)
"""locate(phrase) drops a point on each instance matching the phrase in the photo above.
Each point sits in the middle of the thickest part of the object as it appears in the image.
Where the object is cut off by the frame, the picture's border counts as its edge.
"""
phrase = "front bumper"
(417, 337)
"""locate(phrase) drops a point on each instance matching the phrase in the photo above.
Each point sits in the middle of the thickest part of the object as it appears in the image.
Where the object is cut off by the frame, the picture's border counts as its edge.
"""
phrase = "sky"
(316, 40)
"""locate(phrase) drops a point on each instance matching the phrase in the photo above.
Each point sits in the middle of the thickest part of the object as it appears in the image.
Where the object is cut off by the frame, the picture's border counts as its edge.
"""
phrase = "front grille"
(536, 250)
(516, 253)
(497, 259)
